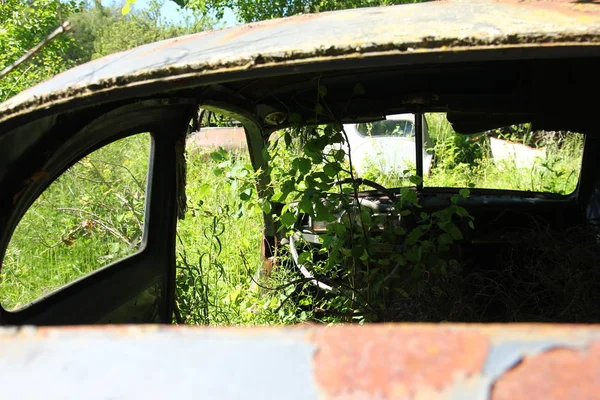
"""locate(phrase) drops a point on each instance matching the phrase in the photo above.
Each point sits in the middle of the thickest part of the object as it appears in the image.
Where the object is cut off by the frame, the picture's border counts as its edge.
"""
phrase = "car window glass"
(518, 157)
(89, 217)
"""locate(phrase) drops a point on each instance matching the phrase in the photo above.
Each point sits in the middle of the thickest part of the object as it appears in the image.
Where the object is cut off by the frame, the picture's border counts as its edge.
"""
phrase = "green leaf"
(339, 155)
(445, 239)
(303, 165)
(203, 190)
(278, 197)
(322, 91)
(305, 257)
(415, 179)
(399, 231)
(217, 155)
(218, 171)
(409, 197)
(414, 236)
(288, 219)
(460, 211)
(331, 170)
(323, 213)
(265, 206)
(359, 89)
(464, 193)
(452, 229)
(359, 252)
(306, 206)
(287, 138)
(246, 194)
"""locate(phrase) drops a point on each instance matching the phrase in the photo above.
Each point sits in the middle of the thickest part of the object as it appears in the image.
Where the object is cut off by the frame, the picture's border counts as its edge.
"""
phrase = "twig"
(100, 222)
(177, 314)
(285, 285)
(64, 27)
(351, 314)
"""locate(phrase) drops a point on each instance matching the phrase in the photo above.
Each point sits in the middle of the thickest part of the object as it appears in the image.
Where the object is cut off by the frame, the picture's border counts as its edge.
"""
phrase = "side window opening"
(518, 157)
(89, 217)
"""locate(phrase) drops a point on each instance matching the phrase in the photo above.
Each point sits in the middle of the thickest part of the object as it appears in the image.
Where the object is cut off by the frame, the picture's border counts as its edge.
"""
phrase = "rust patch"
(386, 362)
(554, 374)
(244, 29)
(176, 41)
(566, 7)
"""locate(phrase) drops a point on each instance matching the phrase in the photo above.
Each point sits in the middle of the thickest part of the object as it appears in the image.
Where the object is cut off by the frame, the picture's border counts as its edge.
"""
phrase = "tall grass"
(89, 217)
(466, 161)
(93, 215)
(219, 242)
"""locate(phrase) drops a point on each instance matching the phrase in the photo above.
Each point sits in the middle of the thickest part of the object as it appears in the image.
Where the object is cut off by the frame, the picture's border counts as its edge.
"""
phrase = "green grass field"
(93, 215)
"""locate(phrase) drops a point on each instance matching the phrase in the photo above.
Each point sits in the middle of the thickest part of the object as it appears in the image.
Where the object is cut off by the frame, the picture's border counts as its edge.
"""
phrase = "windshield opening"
(513, 158)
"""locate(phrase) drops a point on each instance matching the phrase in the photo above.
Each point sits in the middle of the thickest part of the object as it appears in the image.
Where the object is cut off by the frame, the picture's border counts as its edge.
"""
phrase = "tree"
(258, 10)
(99, 30)
(23, 24)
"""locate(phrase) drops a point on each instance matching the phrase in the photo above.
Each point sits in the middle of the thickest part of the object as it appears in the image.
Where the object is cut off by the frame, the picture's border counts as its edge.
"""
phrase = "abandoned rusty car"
(509, 82)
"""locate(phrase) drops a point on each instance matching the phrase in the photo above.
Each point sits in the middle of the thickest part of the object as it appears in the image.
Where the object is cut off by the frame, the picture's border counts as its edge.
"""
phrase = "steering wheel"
(380, 188)
(362, 202)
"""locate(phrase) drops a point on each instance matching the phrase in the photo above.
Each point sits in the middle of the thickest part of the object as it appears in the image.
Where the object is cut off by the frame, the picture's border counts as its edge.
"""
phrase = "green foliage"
(23, 24)
(90, 216)
(99, 31)
(96, 31)
(364, 255)
(253, 10)
(466, 160)
(219, 262)
(218, 279)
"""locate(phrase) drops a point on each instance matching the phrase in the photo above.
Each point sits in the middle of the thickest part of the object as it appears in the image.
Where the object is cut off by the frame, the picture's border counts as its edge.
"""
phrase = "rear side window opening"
(517, 157)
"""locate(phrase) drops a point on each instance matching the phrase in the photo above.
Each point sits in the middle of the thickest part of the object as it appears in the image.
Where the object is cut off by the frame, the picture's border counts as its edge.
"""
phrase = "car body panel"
(450, 55)
(403, 361)
(158, 87)
(441, 29)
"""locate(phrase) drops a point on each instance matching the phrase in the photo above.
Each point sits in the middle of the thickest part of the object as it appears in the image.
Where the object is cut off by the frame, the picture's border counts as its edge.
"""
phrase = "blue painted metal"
(123, 362)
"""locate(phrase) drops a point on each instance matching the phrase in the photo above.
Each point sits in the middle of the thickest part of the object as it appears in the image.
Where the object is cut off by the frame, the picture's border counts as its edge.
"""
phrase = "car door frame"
(136, 289)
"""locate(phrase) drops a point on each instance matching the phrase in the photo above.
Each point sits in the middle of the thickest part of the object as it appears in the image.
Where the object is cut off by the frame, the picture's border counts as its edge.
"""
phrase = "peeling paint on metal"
(394, 361)
(505, 355)
(561, 373)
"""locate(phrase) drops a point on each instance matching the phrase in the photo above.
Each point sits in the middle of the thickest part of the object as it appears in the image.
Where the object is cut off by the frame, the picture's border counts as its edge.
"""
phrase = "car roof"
(444, 28)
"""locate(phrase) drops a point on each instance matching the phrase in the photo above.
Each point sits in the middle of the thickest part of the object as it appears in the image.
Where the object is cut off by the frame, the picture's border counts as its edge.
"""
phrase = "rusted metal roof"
(342, 362)
(445, 26)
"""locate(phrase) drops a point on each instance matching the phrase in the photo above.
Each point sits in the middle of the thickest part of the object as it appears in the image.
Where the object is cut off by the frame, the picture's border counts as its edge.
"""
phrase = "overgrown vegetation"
(420, 281)
(252, 10)
(93, 214)
(219, 266)
(97, 31)
(90, 216)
